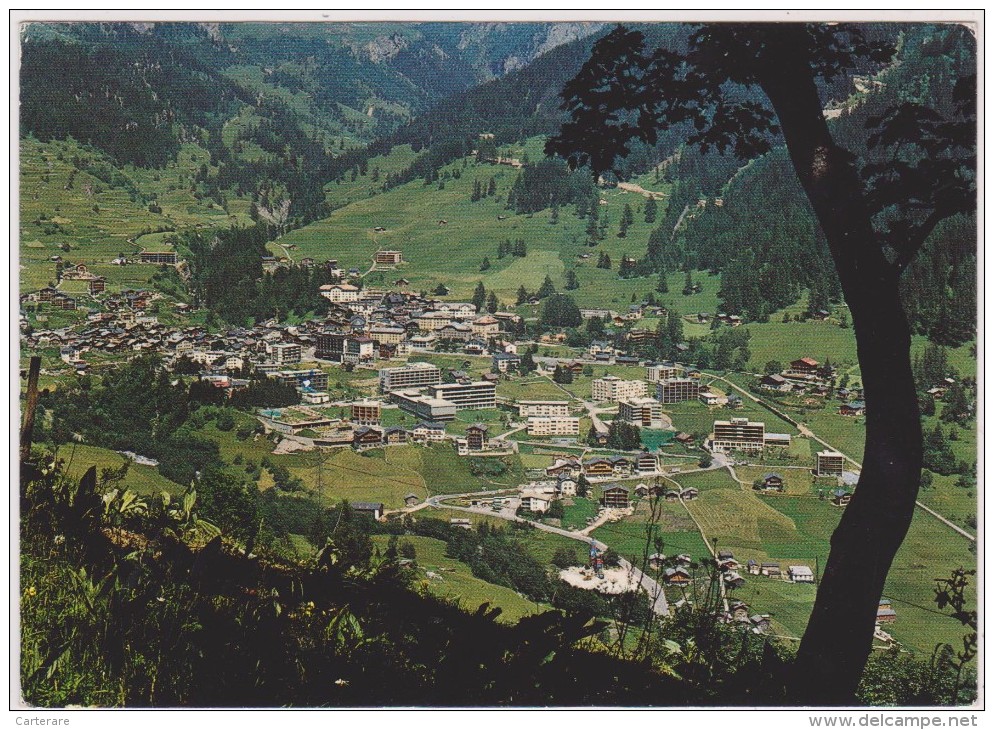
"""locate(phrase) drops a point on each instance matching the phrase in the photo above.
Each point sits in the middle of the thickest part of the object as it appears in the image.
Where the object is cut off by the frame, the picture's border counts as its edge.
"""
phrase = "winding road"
(805, 431)
(649, 585)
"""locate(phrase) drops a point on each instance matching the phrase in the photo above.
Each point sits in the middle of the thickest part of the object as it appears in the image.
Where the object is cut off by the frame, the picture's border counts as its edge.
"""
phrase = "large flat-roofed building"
(412, 375)
(656, 372)
(366, 412)
(389, 257)
(284, 353)
(424, 407)
(542, 408)
(613, 388)
(739, 434)
(314, 379)
(676, 390)
(553, 426)
(385, 334)
(330, 346)
(480, 394)
(830, 464)
(645, 412)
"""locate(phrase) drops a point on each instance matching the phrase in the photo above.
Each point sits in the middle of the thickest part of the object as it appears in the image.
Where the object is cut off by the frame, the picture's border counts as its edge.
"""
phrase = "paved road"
(805, 431)
(651, 587)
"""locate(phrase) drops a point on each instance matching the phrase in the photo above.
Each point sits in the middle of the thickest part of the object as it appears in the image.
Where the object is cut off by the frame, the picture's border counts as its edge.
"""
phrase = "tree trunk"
(839, 635)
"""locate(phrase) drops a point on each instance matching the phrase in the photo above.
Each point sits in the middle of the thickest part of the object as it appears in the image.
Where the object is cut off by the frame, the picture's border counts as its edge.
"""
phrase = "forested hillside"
(763, 236)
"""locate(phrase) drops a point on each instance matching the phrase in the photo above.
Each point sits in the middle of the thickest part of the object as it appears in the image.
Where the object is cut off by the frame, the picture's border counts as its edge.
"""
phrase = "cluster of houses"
(366, 324)
(807, 377)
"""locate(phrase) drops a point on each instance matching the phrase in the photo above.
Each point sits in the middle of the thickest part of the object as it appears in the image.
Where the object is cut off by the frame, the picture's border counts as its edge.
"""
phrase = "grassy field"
(141, 479)
(96, 217)
(452, 252)
(456, 581)
(344, 474)
(577, 513)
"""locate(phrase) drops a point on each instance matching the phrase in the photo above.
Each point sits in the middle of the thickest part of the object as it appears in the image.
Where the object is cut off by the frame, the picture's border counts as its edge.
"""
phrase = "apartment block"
(613, 388)
(553, 426)
(645, 412)
(676, 390)
(739, 434)
(412, 375)
(830, 463)
(542, 408)
(480, 394)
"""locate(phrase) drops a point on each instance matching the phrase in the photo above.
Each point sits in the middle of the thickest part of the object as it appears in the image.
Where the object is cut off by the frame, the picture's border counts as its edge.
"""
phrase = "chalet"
(805, 366)
(841, 498)
(505, 362)
(615, 497)
(564, 467)
(641, 490)
(646, 462)
(367, 437)
(676, 576)
(411, 499)
(626, 360)
(598, 468)
(476, 437)
(885, 612)
(733, 579)
(600, 435)
(774, 382)
(657, 560)
(428, 431)
(684, 438)
(574, 366)
(853, 408)
(739, 610)
(373, 509)
(307, 262)
(620, 465)
(689, 494)
(395, 435)
(566, 486)
(734, 401)
(726, 555)
(800, 574)
(771, 570)
(672, 495)
(463, 522)
(772, 482)
(753, 567)
(760, 623)
(97, 285)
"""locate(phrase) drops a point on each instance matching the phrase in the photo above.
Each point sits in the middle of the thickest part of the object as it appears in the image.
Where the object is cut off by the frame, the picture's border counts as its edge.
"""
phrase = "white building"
(553, 426)
(543, 408)
(339, 293)
(644, 412)
(657, 372)
(283, 353)
(613, 388)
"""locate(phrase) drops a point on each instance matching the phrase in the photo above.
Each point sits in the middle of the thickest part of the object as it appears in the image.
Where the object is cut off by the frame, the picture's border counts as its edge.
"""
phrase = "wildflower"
(31, 592)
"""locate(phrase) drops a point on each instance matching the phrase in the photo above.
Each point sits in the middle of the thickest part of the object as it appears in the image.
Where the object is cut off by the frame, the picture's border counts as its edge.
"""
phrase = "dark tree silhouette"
(874, 223)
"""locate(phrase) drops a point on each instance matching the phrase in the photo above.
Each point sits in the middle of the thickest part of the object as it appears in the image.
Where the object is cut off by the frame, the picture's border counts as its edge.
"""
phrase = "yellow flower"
(32, 591)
